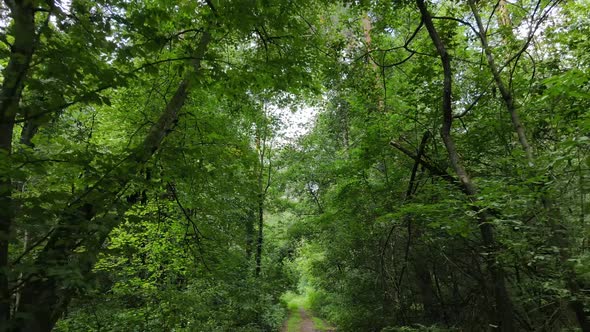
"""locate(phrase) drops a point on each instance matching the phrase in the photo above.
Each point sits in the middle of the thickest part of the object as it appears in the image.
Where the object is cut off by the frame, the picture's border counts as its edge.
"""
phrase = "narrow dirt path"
(306, 322)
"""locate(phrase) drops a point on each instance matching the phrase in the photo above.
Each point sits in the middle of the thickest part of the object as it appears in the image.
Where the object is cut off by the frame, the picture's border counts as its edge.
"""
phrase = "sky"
(297, 121)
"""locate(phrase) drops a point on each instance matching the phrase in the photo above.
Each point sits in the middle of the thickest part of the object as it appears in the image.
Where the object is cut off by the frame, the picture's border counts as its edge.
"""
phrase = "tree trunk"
(560, 237)
(503, 312)
(14, 74)
(367, 27)
(250, 219)
(263, 150)
(427, 293)
(260, 238)
(504, 91)
(45, 296)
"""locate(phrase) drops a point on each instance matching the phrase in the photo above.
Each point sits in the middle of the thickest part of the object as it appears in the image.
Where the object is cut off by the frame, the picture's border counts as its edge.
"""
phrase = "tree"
(476, 171)
(104, 45)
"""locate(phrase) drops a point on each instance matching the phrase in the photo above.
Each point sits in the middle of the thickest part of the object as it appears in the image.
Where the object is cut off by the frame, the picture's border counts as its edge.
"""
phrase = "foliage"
(441, 185)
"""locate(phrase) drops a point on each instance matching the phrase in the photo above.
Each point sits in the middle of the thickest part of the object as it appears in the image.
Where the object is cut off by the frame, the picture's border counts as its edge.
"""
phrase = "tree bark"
(504, 91)
(261, 147)
(504, 15)
(367, 27)
(250, 219)
(503, 311)
(23, 18)
(260, 238)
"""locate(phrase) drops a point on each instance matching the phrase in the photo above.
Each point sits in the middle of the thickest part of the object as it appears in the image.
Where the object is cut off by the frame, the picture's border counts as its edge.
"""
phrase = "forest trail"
(300, 321)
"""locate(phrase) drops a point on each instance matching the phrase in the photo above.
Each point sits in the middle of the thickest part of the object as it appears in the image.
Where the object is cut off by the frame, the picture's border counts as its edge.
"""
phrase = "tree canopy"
(152, 177)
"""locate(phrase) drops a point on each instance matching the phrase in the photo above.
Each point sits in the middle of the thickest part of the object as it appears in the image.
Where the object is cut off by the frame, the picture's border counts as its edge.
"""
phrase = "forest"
(294, 165)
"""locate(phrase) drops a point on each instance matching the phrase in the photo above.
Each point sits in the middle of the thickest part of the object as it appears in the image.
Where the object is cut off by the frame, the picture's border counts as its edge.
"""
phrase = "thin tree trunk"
(260, 239)
(560, 236)
(504, 90)
(367, 27)
(426, 288)
(430, 303)
(503, 310)
(261, 147)
(419, 264)
(250, 220)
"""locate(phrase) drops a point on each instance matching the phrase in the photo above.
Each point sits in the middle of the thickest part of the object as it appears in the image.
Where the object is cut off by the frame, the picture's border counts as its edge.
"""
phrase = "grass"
(320, 324)
(294, 320)
(294, 302)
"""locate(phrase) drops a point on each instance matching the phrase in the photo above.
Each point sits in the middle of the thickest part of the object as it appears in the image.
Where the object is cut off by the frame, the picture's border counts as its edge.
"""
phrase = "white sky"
(297, 121)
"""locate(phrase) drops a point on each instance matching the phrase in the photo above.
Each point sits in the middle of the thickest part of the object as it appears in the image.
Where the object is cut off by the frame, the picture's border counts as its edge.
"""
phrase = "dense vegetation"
(150, 181)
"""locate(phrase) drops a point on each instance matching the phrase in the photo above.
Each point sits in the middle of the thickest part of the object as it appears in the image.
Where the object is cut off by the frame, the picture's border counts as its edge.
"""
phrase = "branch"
(85, 96)
(504, 90)
(212, 7)
(410, 190)
(457, 20)
(263, 41)
(185, 212)
(409, 194)
(447, 106)
(465, 111)
(405, 46)
(491, 15)
(395, 63)
(33, 246)
(532, 32)
(434, 169)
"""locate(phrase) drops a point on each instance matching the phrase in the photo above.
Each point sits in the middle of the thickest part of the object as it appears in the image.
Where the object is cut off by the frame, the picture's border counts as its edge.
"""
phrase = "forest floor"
(302, 321)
